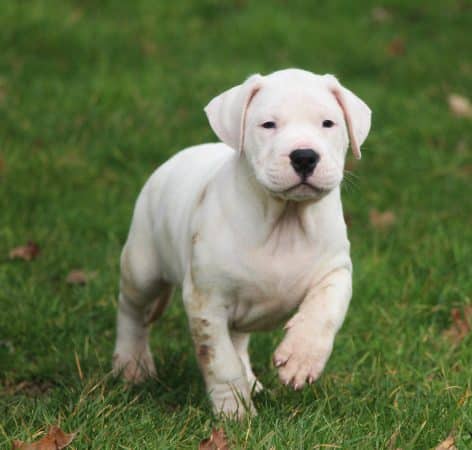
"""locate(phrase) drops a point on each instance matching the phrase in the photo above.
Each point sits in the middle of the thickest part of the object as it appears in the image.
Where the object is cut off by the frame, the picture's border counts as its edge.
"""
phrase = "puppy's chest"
(263, 277)
(269, 285)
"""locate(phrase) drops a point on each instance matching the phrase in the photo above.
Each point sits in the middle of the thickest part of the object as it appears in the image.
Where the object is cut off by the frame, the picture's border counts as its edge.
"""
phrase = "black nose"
(304, 161)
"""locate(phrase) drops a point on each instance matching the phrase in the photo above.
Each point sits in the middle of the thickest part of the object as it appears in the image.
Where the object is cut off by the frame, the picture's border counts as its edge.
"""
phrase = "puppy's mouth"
(300, 191)
(306, 186)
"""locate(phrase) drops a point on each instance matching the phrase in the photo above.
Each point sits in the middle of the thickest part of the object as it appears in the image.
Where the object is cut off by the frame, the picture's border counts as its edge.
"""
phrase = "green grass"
(94, 95)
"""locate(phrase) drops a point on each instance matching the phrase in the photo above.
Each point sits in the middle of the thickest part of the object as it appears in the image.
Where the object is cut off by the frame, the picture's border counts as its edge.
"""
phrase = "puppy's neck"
(264, 212)
(247, 185)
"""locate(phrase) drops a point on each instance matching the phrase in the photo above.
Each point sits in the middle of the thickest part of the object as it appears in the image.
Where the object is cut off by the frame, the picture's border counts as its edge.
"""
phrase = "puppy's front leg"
(222, 369)
(308, 343)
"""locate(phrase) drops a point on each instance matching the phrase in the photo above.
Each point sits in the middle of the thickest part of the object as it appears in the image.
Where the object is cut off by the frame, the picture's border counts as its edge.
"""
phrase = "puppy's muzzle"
(304, 161)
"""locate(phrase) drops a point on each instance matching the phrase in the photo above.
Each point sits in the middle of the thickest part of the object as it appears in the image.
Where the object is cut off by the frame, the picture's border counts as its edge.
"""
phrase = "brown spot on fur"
(202, 197)
(199, 327)
(205, 353)
(199, 332)
(195, 238)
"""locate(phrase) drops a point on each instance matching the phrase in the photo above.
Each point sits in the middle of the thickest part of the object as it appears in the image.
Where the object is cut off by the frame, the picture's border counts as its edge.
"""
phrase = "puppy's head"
(293, 127)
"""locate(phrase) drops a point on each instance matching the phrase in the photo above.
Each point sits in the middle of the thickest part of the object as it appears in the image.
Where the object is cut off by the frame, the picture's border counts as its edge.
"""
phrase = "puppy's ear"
(356, 113)
(227, 112)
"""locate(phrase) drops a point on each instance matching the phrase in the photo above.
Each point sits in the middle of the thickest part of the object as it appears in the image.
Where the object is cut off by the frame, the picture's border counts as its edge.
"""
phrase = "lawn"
(95, 94)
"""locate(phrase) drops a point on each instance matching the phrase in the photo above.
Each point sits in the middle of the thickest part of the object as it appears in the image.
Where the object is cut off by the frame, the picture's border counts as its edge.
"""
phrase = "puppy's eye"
(269, 125)
(328, 123)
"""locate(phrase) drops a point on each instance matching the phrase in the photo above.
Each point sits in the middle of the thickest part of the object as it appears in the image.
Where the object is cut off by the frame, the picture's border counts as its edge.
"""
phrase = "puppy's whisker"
(349, 186)
(351, 181)
(349, 173)
(351, 176)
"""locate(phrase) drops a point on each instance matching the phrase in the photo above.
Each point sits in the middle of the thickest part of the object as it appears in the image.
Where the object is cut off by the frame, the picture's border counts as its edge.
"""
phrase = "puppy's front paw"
(134, 368)
(300, 359)
(232, 400)
(234, 407)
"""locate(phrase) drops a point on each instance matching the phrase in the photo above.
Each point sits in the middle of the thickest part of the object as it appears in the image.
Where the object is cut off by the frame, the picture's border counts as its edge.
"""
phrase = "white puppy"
(252, 228)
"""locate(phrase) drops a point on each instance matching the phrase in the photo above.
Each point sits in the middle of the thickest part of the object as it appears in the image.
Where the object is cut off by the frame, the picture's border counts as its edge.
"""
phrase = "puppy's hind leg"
(140, 302)
(142, 299)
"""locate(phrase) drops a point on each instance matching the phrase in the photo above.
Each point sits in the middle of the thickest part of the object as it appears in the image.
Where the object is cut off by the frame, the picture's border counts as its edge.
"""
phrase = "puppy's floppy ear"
(227, 112)
(356, 113)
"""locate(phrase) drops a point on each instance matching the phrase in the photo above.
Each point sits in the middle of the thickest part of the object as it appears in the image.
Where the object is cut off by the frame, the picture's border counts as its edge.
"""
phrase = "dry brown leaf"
(31, 388)
(217, 441)
(396, 47)
(382, 220)
(448, 444)
(380, 14)
(26, 252)
(461, 325)
(75, 16)
(149, 48)
(465, 171)
(55, 439)
(460, 106)
(80, 277)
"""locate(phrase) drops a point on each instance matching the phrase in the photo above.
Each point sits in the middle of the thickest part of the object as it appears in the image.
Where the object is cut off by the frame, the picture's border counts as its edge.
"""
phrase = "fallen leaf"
(465, 171)
(149, 48)
(30, 388)
(396, 47)
(55, 439)
(80, 277)
(382, 220)
(380, 14)
(217, 441)
(461, 325)
(75, 17)
(447, 444)
(26, 252)
(460, 106)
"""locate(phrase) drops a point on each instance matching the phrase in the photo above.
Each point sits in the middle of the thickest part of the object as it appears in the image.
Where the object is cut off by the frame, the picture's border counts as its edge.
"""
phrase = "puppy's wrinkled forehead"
(295, 93)
(295, 100)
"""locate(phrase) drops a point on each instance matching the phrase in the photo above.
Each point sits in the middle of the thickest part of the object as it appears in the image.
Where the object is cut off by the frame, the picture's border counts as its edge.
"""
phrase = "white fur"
(230, 224)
